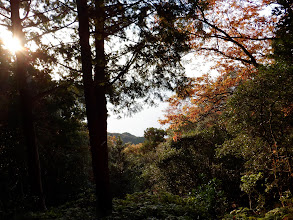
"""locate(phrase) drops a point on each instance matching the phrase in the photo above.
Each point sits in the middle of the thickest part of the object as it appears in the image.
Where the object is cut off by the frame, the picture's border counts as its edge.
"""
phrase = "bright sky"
(10, 42)
(139, 122)
(149, 116)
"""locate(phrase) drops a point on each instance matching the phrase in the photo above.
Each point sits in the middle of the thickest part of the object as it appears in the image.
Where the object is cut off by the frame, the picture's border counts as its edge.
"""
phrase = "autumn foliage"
(236, 37)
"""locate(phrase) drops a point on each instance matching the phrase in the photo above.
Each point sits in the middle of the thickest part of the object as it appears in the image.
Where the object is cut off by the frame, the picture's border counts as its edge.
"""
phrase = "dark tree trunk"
(101, 151)
(33, 161)
(96, 108)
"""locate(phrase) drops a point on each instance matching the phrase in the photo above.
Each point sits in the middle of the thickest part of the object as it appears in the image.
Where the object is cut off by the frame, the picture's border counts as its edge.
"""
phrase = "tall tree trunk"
(100, 81)
(96, 109)
(33, 161)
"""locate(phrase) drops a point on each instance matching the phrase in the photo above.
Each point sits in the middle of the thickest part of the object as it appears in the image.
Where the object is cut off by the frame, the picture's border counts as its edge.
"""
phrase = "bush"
(145, 205)
(283, 213)
(142, 205)
(82, 208)
(210, 200)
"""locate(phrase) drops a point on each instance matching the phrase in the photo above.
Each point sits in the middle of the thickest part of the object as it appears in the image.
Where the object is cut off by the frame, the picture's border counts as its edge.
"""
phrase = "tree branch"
(5, 16)
(49, 91)
(28, 10)
(68, 67)
(5, 9)
(125, 69)
(129, 63)
(227, 56)
(230, 39)
(5, 25)
(44, 12)
(70, 8)
(51, 31)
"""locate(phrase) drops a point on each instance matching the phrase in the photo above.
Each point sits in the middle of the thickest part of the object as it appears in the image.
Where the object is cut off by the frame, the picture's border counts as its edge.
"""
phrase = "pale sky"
(139, 122)
(149, 116)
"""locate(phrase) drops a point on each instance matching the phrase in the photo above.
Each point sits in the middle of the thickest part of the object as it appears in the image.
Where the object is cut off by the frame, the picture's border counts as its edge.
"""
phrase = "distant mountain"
(128, 138)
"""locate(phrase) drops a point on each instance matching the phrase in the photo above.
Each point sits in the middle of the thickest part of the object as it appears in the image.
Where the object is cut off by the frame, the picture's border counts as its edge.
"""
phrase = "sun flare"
(13, 44)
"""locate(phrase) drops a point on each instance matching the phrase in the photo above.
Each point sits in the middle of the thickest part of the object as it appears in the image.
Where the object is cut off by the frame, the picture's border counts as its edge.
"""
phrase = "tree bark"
(26, 105)
(96, 106)
(100, 81)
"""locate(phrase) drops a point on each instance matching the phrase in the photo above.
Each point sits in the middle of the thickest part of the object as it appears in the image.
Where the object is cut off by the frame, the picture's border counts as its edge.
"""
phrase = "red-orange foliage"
(234, 35)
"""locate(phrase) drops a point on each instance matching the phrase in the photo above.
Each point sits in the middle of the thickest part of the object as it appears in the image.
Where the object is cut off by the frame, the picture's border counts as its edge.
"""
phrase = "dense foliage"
(128, 138)
(227, 152)
(61, 136)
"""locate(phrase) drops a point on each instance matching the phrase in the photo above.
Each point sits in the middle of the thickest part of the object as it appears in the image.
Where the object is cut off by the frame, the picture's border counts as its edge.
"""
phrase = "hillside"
(128, 138)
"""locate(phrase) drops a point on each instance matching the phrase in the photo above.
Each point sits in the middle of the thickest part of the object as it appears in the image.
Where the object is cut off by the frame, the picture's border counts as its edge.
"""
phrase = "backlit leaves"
(236, 36)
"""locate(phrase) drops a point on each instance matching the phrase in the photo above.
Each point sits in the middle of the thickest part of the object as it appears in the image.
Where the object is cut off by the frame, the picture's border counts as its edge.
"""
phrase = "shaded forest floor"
(163, 205)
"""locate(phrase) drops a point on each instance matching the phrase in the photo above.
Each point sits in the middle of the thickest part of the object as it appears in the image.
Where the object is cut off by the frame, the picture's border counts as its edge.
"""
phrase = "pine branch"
(68, 67)
(44, 12)
(70, 8)
(51, 31)
(28, 11)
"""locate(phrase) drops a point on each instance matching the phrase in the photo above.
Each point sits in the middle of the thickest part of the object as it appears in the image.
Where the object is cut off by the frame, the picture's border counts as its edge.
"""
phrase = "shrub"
(210, 200)
(145, 205)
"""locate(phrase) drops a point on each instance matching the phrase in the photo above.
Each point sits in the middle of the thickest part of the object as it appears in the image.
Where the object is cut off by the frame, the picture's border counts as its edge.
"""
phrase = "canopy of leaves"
(61, 137)
(250, 99)
(236, 37)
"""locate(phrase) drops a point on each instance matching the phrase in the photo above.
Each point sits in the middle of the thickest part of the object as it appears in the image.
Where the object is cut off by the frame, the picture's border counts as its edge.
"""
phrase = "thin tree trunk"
(96, 110)
(33, 161)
